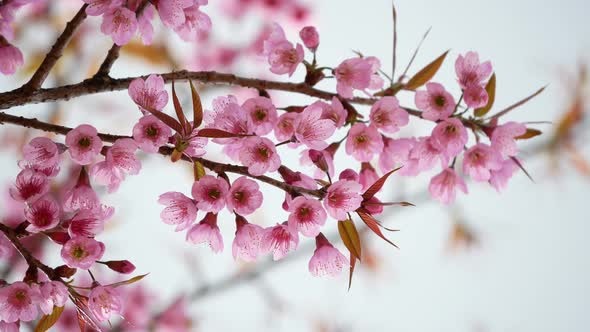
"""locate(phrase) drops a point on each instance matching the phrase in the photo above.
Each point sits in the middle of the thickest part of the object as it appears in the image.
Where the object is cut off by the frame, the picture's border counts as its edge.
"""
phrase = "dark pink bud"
(124, 266)
(59, 237)
(310, 37)
(65, 271)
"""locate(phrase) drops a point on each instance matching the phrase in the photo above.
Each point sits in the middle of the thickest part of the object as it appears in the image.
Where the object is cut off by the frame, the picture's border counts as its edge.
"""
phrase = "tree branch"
(56, 52)
(165, 150)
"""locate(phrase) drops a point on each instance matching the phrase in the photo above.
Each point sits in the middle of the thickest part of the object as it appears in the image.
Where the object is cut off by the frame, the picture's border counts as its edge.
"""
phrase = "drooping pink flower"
(206, 231)
(262, 114)
(99, 7)
(175, 318)
(196, 145)
(326, 260)
(144, 24)
(424, 155)
(81, 252)
(81, 196)
(311, 129)
(470, 71)
(120, 160)
(244, 196)
(367, 175)
(499, 178)
(180, 210)
(83, 144)
(475, 96)
(11, 58)
(435, 103)
(137, 309)
(42, 155)
(9, 327)
(119, 23)
(89, 222)
(210, 193)
(196, 24)
(480, 160)
(343, 196)
(284, 58)
(285, 128)
(310, 37)
(274, 37)
(150, 133)
(349, 174)
(306, 216)
(29, 186)
(323, 161)
(503, 136)
(450, 136)
(279, 240)
(227, 115)
(396, 152)
(443, 186)
(247, 242)
(172, 11)
(19, 301)
(259, 155)
(43, 214)
(53, 294)
(104, 301)
(357, 73)
(388, 116)
(363, 142)
(149, 94)
(334, 111)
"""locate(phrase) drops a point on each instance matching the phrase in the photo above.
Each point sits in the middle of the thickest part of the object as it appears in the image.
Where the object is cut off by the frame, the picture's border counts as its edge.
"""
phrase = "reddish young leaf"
(217, 133)
(167, 119)
(350, 237)
(491, 90)
(520, 103)
(47, 321)
(197, 107)
(373, 225)
(390, 203)
(375, 187)
(517, 162)
(426, 74)
(186, 127)
(84, 318)
(530, 133)
(351, 271)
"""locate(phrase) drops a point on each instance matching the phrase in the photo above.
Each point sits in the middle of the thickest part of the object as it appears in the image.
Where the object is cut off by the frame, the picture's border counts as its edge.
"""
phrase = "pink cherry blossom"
(244, 196)
(470, 71)
(284, 58)
(29, 186)
(475, 96)
(311, 129)
(11, 58)
(138, 304)
(149, 94)
(334, 111)
(83, 144)
(247, 242)
(196, 24)
(435, 103)
(367, 175)
(210, 193)
(150, 133)
(144, 24)
(322, 160)
(503, 136)
(349, 174)
(120, 160)
(119, 23)
(172, 11)
(480, 160)
(81, 196)
(180, 210)
(310, 37)
(388, 116)
(279, 240)
(443, 186)
(396, 152)
(41, 154)
(227, 115)
(53, 294)
(363, 142)
(104, 301)
(81, 252)
(262, 114)
(499, 178)
(99, 7)
(357, 73)
(206, 231)
(89, 222)
(343, 196)
(424, 155)
(326, 259)
(285, 128)
(259, 155)
(175, 318)
(450, 136)
(9, 327)
(306, 216)
(43, 214)
(19, 301)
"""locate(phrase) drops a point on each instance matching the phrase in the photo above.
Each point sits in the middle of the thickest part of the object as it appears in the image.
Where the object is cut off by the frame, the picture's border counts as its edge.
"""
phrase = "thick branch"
(94, 86)
(165, 150)
(29, 258)
(56, 52)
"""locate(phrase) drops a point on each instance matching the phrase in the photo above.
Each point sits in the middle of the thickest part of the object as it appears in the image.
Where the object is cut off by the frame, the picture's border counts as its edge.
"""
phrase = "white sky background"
(531, 271)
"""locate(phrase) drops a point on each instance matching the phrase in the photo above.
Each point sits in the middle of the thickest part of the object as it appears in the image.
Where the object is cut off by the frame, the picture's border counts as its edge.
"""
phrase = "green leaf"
(373, 224)
(197, 107)
(350, 237)
(426, 74)
(520, 103)
(199, 170)
(129, 281)
(47, 321)
(491, 90)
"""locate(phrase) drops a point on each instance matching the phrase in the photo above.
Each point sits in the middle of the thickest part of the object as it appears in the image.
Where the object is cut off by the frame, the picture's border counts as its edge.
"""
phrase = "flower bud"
(310, 37)
(124, 266)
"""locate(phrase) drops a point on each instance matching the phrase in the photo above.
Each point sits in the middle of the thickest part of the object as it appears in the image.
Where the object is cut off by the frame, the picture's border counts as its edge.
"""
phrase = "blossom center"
(84, 142)
(79, 253)
(439, 101)
(151, 131)
(259, 114)
(214, 194)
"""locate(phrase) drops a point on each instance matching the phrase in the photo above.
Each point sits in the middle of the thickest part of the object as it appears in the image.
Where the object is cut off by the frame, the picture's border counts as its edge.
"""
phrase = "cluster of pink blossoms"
(10, 56)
